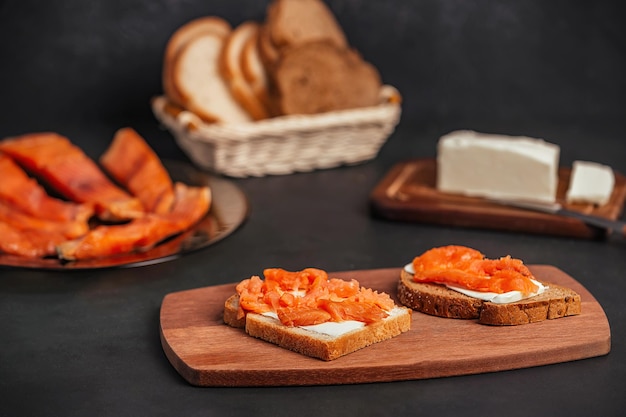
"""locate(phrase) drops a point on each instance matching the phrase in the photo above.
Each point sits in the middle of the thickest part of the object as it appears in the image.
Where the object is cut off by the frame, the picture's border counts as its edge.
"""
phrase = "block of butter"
(590, 182)
(497, 166)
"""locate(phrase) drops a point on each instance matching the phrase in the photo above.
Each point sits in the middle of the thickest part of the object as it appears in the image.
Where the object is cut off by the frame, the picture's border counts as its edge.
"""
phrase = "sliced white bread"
(197, 79)
(232, 69)
(185, 33)
(437, 300)
(315, 344)
(254, 70)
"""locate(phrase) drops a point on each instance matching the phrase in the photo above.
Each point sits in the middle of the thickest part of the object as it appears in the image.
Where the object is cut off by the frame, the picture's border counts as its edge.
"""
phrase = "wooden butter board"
(408, 193)
(206, 352)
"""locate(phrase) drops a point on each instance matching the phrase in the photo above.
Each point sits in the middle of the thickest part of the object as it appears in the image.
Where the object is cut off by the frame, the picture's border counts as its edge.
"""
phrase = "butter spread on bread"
(309, 313)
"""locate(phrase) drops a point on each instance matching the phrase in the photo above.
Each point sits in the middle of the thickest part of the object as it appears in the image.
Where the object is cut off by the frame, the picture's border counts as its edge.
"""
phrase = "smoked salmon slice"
(22, 221)
(190, 205)
(134, 165)
(65, 167)
(24, 193)
(309, 297)
(28, 243)
(468, 268)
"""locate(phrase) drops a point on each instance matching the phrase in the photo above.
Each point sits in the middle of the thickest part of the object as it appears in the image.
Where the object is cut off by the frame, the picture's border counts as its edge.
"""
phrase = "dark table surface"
(85, 343)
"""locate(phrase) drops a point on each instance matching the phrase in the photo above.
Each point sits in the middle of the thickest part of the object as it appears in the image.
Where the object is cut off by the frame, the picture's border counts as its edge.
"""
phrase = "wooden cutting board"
(207, 352)
(408, 193)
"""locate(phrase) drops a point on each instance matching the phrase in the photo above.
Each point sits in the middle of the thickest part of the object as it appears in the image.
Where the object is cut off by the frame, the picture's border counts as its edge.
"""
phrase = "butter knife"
(611, 226)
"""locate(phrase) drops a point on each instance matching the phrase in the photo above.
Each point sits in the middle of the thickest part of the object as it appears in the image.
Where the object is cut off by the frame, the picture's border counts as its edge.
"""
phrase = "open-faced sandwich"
(459, 282)
(312, 314)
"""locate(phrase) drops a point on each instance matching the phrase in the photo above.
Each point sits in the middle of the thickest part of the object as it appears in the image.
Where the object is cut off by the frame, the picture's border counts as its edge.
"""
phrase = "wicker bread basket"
(285, 144)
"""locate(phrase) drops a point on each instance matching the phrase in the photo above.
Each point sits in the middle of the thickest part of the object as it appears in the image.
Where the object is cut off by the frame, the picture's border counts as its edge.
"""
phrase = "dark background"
(86, 343)
(492, 65)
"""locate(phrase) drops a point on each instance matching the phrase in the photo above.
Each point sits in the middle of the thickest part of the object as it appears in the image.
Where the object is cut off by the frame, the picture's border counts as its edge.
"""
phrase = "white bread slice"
(314, 344)
(232, 69)
(437, 300)
(196, 76)
(185, 33)
(254, 70)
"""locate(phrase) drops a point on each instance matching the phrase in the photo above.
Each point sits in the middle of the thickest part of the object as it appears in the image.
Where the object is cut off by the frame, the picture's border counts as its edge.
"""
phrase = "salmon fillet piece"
(24, 193)
(134, 165)
(65, 167)
(28, 243)
(190, 205)
(22, 221)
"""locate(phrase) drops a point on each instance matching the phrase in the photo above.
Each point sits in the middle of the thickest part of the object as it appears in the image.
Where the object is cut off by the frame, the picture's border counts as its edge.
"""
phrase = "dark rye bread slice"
(294, 22)
(316, 345)
(319, 77)
(290, 23)
(437, 300)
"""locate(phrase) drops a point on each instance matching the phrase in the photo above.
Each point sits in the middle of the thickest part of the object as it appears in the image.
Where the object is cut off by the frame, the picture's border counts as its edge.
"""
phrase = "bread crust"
(437, 300)
(254, 70)
(313, 344)
(231, 67)
(267, 50)
(231, 312)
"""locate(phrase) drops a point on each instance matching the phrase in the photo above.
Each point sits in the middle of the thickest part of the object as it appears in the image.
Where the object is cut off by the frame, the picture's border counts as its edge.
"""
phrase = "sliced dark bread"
(437, 300)
(295, 22)
(319, 77)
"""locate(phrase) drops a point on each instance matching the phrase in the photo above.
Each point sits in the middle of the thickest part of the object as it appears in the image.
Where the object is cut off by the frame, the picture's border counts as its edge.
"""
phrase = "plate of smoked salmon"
(59, 209)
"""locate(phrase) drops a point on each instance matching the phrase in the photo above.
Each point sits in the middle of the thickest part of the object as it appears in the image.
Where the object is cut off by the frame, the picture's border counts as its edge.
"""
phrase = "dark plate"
(229, 209)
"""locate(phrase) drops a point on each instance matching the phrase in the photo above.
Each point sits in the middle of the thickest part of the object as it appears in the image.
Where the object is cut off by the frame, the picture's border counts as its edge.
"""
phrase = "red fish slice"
(24, 193)
(72, 173)
(133, 164)
(22, 221)
(190, 205)
(28, 243)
